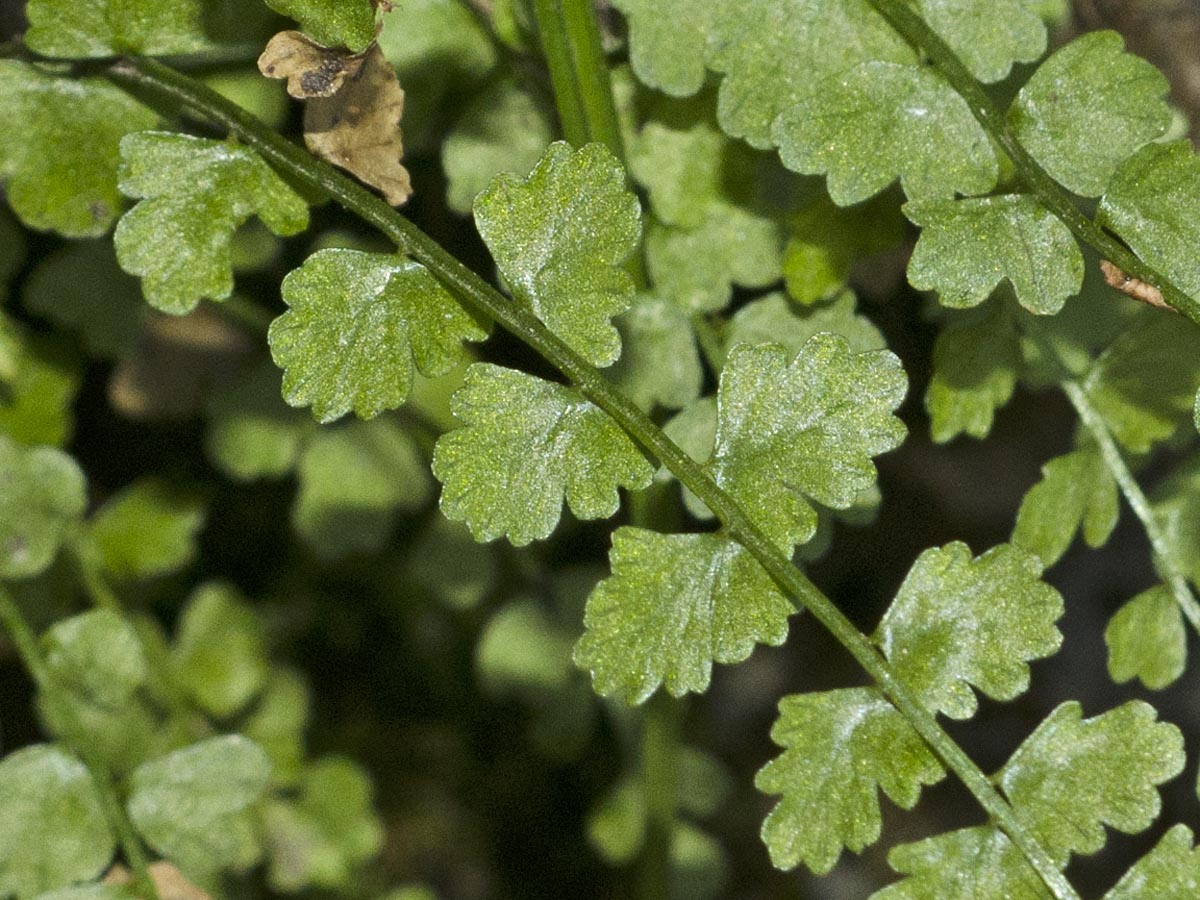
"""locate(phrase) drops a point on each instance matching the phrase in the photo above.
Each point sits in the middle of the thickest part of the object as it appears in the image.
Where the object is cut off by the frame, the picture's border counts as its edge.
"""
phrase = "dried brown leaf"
(1133, 287)
(358, 128)
(310, 69)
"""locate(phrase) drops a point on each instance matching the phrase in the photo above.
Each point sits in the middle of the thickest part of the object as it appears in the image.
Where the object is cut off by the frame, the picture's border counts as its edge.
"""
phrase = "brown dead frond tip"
(1133, 287)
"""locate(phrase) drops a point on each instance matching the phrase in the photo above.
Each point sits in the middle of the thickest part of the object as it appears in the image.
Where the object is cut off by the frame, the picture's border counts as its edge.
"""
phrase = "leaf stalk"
(1168, 566)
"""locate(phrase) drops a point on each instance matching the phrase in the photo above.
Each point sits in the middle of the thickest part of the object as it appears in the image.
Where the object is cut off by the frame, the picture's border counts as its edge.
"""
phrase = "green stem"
(91, 573)
(1054, 197)
(482, 298)
(26, 642)
(709, 341)
(1168, 566)
(131, 844)
(660, 759)
(582, 90)
(23, 639)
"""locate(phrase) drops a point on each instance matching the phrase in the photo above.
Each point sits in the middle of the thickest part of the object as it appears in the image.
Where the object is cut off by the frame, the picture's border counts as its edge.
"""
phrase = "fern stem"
(582, 90)
(26, 642)
(23, 639)
(1054, 197)
(99, 591)
(131, 844)
(151, 76)
(1168, 566)
(660, 755)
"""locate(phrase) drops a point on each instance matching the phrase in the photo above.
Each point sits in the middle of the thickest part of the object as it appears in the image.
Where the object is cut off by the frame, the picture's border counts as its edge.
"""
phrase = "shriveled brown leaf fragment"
(1133, 287)
(358, 128)
(310, 69)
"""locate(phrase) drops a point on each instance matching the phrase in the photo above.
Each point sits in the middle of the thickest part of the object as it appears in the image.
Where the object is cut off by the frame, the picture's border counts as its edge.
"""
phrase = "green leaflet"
(1171, 871)
(868, 125)
(617, 825)
(36, 403)
(82, 289)
(1073, 776)
(219, 655)
(69, 30)
(975, 363)
(659, 362)
(840, 748)
(252, 433)
(439, 48)
(774, 52)
(773, 319)
(96, 655)
(1068, 780)
(970, 864)
(674, 605)
(1151, 202)
(358, 325)
(1146, 640)
(827, 240)
(696, 268)
(523, 651)
(41, 852)
(987, 35)
(99, 891)
(332, 23)
(791, 430)
(560, 238)
(959, 622)
(149, 528)
(967, 247)
(195, 192)
(448, 564)
(191, 805)
(1144, 384)
(353, 481)
(525, 445)
(1176, 505)
(1077, 492)
(503, 130)
(666, 42)
(1087, 108)
(277, 724)
(42, 496)
(59, 142)
(710, 229)
(101, 701)
(322, 838)
(686, 164)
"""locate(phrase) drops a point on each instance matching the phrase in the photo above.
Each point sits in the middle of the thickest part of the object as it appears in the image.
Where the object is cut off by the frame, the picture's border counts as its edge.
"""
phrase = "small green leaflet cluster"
(617, 826)
(124, 704)
(959, 624)
(838, 92)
